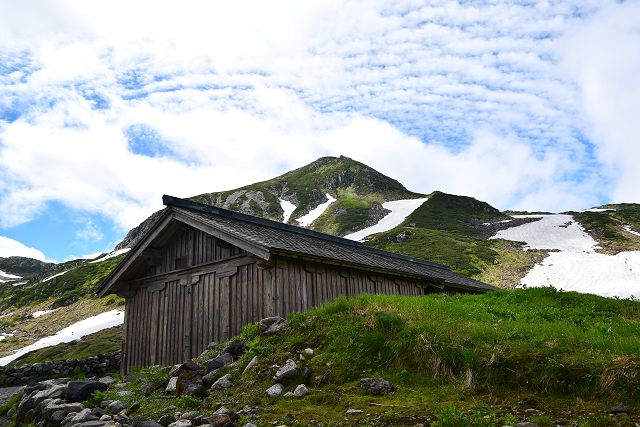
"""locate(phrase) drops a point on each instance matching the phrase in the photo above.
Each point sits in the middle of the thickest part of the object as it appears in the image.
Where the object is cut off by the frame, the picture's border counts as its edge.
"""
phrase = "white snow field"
(400, 210)
(78, 330)
(315, 213)
(589, 272)
(53, 277)
(39, 313)
(288, 209)
(551, 232)
(5, 277)
(110, 255)
(576, 267)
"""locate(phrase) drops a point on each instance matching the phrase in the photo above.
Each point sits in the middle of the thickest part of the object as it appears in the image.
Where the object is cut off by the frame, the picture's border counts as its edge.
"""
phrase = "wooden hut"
(200, 273)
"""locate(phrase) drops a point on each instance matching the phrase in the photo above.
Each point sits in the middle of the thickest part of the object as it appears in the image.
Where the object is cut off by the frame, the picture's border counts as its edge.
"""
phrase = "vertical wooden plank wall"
(169, 322)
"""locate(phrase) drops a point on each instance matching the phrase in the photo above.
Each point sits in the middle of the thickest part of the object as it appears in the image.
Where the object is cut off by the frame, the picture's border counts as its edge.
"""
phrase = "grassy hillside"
(462, 360)
(24, 267)
(452, 230)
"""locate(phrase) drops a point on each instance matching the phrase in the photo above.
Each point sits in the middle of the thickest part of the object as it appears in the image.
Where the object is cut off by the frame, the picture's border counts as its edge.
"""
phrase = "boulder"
(290, 369)
(218, 420)
(190, 382)
(53, 407)
(116, 407)
(301, 390)
(275, 390)
(377, 386)
(172, 385)
(181, 423)
(189, 365)
(218, 362)
(272, 325)
(619, 410)
(236, 348)
(252, 364)
(94, 423)
(222, 383)
(165, 420)
(211, 377)
(78, 391)
(81, 416)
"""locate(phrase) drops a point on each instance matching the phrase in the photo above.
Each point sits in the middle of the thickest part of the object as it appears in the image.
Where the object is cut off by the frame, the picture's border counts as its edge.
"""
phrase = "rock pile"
(99, 365)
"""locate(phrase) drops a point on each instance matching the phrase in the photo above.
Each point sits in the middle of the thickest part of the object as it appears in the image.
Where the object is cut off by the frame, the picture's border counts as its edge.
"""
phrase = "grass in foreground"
(461, 358)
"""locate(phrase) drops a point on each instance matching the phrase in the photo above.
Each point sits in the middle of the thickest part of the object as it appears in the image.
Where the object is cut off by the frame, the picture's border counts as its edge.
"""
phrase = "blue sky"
(105, 106)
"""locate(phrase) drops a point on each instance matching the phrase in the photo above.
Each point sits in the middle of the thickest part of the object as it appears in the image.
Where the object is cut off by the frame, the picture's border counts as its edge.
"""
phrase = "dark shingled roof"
(280, 238)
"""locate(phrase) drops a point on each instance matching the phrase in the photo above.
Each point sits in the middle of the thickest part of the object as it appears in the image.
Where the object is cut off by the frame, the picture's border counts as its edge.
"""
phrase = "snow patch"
(598, 210)
(288, 209)
(556, 231)
(3, 336)
(589, 272)
(9, 276)
(19, 283)
(111, 255)
(39, 313)
(628, 229)
(54, 276)
(314, 214)
(400, 210)
(76, 331)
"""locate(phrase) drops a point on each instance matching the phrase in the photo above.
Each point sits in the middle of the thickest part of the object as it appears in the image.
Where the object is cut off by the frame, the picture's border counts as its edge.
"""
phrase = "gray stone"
(54, 406)
(619, 410)
(354, 411)
(527, 424)
(95, 423)
(272, 325)
(377, 386)
(116, 407)
(78, 391)
(223, 382)
(165, 420)
(252, 364)
(301, 390)
(218, 420)
(290, 369)
(288, 394)
(223, 410)
(106, 417)
(181, 423)
(249, 425)
(218, 362)
(124, 393)
(107, 380)
(81, 416)
(211, 377)
(172, 385)
(189, 365)
(275, 390)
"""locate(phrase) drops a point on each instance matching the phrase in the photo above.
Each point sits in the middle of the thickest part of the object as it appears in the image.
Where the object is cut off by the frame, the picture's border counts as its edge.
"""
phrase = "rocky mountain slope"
(358, 190)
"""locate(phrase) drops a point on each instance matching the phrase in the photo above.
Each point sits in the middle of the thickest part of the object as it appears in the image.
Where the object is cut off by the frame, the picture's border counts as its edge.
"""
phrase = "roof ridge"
(209, 209)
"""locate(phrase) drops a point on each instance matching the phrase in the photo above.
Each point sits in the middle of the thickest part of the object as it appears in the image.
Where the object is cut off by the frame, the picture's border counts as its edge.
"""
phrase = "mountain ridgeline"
(359, 189)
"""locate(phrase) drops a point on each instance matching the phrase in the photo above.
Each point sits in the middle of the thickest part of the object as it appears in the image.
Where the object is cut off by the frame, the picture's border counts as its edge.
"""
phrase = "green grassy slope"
(480, 353)
(24, 267)
(449, 229)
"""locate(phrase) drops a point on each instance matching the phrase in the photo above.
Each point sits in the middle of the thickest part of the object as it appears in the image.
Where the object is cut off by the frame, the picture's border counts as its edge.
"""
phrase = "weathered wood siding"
(172, 318)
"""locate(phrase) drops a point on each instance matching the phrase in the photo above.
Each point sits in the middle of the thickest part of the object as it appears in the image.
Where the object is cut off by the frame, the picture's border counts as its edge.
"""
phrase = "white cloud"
(603, 55)
(11, 247)
(462, 98)
(88, 231)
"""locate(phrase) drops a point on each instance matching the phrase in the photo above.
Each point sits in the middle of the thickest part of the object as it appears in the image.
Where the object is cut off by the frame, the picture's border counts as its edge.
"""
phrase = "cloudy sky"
(107, 105)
